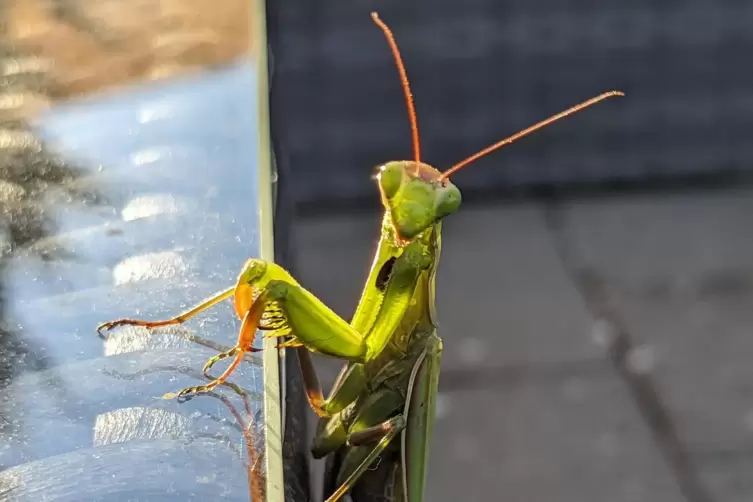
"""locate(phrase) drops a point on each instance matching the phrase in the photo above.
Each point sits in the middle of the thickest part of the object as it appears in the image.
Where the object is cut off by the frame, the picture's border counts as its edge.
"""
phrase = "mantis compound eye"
(448, 200)
(391, 178)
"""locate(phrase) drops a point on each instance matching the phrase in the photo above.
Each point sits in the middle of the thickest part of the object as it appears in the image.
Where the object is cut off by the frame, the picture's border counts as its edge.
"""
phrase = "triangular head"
(416, 194)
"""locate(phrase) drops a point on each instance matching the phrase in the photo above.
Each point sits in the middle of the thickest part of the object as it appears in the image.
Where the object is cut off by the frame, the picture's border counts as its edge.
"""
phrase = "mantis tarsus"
(387, 390)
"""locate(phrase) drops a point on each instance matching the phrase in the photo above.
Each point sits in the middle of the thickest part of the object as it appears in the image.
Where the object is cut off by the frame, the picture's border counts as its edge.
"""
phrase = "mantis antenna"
(414, 122)
(527, 131)
(406, 85)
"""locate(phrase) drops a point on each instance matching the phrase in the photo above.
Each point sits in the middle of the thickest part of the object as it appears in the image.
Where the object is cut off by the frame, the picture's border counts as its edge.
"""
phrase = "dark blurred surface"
(481, 70)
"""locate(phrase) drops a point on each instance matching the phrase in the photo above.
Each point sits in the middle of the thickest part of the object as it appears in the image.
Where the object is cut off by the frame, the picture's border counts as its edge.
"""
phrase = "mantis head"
(416, 194)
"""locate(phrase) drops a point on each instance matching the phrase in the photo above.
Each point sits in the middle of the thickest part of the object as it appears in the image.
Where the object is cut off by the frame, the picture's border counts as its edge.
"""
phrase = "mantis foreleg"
(264, 287)
(245, 344)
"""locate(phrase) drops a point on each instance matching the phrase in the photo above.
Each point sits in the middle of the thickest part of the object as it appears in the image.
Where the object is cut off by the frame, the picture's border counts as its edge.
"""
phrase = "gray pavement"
(637, 389)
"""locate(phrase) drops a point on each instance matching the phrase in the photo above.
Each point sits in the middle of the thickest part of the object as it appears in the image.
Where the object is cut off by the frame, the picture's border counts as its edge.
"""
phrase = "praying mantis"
(385, 396)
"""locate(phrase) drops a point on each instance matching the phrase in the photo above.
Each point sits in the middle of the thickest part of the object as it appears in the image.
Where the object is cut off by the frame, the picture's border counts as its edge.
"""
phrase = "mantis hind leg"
(265, 287)
(348, 386)
(385, 433)
(421, 392)
(179, 319)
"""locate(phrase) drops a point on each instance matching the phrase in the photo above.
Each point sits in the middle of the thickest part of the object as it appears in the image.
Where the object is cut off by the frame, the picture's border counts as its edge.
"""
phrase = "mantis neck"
(410, 269)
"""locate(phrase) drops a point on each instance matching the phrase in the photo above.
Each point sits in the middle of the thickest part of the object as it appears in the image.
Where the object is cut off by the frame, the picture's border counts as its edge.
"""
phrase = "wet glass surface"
(169, 171)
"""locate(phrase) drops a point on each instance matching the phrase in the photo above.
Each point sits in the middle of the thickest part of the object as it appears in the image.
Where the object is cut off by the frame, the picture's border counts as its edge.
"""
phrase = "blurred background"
(595, 294)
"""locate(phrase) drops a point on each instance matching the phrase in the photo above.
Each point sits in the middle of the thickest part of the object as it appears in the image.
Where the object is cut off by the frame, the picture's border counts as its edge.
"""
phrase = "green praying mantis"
(385, 396)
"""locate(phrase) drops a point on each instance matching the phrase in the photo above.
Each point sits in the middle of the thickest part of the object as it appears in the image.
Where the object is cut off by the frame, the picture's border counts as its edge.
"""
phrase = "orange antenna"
(406, 85)
(528, 131)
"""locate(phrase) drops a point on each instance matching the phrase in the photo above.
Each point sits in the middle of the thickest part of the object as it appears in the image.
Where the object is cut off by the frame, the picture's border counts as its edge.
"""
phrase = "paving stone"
(539, 440)
(679, 272)
(727, 474)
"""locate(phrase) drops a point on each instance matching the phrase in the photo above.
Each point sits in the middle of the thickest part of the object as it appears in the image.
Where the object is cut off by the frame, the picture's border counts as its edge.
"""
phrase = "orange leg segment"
(246, 337)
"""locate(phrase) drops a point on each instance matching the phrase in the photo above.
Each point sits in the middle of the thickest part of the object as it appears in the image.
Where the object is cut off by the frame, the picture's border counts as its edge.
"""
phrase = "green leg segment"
(415, 423)
(389, 430)
(309, 319)
(347, 388)
(375, 408)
